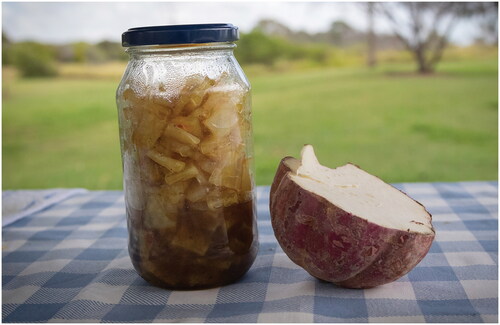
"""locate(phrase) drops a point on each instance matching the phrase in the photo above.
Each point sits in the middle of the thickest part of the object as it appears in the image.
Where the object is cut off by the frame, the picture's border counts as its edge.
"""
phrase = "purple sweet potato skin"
(336, 246)
(280, 173)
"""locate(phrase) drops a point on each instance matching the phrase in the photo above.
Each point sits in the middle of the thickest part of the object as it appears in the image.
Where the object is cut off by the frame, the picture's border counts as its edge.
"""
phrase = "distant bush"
(476, 51)
(112, 51)
(33, 59)
(259, 48)
(256, 47)
(82, 52)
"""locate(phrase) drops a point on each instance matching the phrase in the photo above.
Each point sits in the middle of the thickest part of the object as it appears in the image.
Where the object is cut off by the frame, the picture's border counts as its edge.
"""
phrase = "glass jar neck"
(146, 50)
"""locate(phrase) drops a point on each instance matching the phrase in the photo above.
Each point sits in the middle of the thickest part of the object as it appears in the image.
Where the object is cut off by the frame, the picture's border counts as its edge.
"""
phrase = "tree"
(273, 28)
(342, 34)
(6, 44)
(424, 27)
(488, 26)
(371, 40)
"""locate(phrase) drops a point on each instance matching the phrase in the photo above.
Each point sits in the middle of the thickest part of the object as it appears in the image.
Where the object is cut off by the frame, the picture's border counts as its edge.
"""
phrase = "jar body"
(186, 140)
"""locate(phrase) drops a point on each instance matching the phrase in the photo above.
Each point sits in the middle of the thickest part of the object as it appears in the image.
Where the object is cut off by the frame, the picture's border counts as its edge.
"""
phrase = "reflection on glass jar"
(186, 138)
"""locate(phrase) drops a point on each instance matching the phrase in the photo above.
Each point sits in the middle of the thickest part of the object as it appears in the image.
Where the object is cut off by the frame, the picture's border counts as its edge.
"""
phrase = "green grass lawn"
(401, 127)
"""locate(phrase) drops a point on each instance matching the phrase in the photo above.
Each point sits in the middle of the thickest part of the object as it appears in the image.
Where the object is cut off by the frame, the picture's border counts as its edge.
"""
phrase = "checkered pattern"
(69, 263)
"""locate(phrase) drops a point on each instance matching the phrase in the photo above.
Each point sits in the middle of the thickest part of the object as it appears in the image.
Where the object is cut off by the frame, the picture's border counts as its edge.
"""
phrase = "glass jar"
(186, 139)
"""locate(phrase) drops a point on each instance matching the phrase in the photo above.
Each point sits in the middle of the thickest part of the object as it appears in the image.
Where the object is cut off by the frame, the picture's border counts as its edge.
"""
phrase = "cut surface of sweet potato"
(361, 194)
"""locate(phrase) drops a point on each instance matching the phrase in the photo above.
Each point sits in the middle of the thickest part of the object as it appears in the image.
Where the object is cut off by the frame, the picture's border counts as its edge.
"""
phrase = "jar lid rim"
(180, 34)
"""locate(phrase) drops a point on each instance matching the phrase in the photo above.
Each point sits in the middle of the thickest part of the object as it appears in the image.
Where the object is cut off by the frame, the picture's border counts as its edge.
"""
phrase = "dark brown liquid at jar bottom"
(232, 248)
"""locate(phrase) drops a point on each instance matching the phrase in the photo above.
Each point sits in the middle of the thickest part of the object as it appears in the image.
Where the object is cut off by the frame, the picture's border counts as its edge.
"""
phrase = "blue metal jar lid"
(180, 34)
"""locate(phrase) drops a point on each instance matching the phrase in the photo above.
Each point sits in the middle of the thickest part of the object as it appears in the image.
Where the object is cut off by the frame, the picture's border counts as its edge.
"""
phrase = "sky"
(63, 22)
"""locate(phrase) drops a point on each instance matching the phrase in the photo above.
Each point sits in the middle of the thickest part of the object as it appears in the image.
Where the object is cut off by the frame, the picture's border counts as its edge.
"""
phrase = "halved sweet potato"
(344, 225)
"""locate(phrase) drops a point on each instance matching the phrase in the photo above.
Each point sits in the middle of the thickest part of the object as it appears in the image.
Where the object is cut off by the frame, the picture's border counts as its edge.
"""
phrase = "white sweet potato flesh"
(344, 225)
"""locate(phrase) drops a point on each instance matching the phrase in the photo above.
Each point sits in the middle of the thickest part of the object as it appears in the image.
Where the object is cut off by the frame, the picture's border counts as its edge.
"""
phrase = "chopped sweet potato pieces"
(191, 171)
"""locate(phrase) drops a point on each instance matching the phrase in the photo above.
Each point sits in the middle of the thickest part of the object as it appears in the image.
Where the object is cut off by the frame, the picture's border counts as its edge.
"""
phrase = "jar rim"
(180, 34)
(175, 48)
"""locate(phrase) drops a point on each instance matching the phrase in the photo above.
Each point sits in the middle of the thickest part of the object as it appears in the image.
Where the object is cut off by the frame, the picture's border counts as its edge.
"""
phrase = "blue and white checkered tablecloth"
(69, 263)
